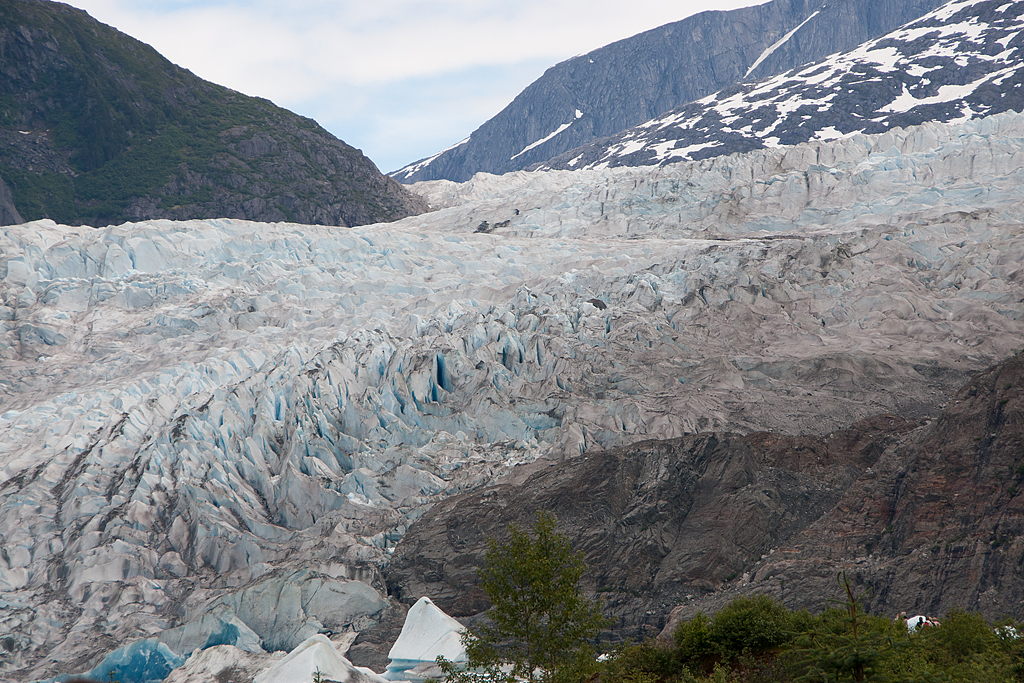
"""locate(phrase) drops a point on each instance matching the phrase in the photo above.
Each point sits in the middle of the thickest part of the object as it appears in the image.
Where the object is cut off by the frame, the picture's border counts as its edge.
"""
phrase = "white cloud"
(328, 55)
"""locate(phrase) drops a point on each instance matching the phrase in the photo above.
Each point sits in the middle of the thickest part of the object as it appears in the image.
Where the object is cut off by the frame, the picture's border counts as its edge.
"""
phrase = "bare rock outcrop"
(8, 212)
(922, 517)
(936, 522)
(658, 522)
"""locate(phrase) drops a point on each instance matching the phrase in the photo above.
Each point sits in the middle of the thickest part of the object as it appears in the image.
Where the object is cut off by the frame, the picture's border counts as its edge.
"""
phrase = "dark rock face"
(936, 522)
(658, 521)
(635, 80)
(98, 128)
(955, 63)
(8, 212)
(921, 517)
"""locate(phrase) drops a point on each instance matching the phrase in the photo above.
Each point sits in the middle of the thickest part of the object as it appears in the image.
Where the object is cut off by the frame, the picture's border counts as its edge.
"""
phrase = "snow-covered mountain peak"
(961, 61)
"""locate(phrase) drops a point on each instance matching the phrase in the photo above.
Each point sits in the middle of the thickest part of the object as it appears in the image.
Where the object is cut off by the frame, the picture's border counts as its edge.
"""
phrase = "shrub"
(694, 645)
(750, 624)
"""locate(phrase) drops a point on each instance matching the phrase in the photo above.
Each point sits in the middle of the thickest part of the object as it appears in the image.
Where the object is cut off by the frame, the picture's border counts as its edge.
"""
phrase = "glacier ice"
(316, 655)
(142, 661)
(428, 633)
(203, 419)
(223, 664)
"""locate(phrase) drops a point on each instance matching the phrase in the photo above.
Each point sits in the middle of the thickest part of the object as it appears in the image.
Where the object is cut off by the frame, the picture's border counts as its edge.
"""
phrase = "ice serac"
(203, 419)
(316, 656)
(621, 85)
(961, 61)
(223, 664)
(428, 633)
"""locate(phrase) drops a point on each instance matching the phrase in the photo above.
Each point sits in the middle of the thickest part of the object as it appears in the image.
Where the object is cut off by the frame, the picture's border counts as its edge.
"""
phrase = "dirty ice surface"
(213, 433)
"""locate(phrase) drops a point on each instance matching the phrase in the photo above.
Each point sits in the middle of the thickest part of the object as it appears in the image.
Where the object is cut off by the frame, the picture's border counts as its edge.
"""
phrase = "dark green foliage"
(117, 124)
(657, 662)
(754, 627)
(756, 640)
(753, 624)
(963, 648)
(540, 619)
(694, 643)
(41, 195)
(963, 636)
(845, 647)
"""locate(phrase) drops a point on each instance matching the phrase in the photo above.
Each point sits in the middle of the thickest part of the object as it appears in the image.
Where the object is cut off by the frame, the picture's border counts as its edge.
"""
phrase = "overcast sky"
(399, 79)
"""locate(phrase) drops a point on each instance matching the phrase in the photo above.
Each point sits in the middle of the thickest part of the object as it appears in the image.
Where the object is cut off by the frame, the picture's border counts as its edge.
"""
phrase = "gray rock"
(8, 212)
(935, 523)
(656, 521)
(945, 66)
(636, 79)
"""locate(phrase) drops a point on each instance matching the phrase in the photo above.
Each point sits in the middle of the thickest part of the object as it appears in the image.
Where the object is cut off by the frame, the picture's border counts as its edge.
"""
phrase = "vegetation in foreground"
(541, 627)
(756, 639)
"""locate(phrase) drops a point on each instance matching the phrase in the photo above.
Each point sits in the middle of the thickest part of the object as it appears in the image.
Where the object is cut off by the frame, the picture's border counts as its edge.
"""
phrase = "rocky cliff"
(961, 61)
(657, 521)
(97, 128)
(937, 521)
(8, 211)
(634, 80)
(922, 517)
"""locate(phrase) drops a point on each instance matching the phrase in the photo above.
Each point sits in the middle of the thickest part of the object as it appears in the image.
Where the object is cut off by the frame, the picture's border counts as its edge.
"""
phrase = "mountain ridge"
(630, 81)
(960, 61)
(97, 128)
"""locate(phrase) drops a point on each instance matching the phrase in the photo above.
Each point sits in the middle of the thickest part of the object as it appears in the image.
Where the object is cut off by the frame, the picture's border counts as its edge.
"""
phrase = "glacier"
(428, 633)
(316, 656)
(214, 433)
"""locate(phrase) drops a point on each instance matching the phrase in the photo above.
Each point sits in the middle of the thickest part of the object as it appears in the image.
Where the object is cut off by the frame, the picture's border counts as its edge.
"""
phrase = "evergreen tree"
(540, 620)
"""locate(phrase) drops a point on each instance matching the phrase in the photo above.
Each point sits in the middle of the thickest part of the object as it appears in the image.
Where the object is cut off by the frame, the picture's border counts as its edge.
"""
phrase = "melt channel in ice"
(428, 633)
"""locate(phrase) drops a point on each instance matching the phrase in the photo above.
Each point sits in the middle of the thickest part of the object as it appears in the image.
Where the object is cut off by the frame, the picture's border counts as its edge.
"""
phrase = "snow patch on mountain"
(961, 61)
(408, 171)
(775, 46)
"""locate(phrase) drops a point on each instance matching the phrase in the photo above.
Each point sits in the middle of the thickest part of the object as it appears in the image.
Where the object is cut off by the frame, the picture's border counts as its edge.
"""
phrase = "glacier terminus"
(215, 432)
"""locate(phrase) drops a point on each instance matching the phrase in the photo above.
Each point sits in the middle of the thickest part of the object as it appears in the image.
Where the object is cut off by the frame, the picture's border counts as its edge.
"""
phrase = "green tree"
(540, 620)
(847, 648)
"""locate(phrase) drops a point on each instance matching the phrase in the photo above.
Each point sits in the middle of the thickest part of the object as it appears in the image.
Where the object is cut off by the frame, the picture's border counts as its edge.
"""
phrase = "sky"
(399, 79)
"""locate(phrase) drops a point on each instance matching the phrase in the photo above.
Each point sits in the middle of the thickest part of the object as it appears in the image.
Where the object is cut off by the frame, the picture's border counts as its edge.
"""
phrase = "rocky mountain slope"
(215, 433)
(963, 60)
(97, 128)
(936, 521)
(659, 521)
(634, 80)
(922, 518)
(8, 211)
